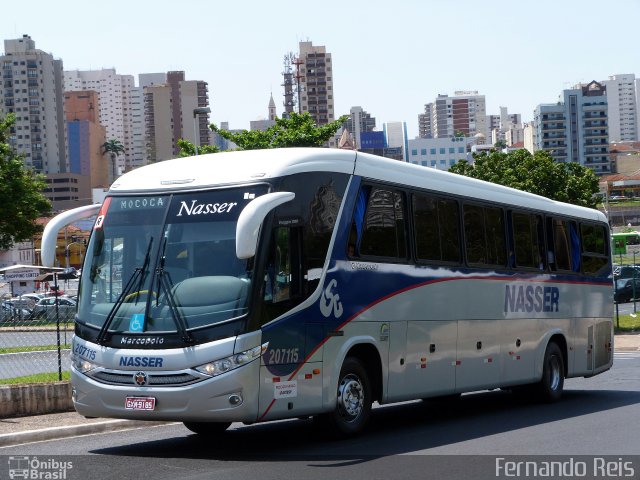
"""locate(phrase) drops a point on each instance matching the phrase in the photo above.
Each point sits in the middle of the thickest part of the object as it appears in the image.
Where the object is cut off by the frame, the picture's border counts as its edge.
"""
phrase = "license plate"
(140, 403)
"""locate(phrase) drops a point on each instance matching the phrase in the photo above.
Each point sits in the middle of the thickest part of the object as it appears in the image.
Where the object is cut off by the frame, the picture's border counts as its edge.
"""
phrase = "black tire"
(353, 408)
(207, 428)
(549, 389)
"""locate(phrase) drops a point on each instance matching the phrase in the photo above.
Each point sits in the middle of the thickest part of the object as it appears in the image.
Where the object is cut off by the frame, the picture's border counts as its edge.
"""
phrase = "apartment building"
(576, 130)
(169, 104)
(31, 88)
(121, 112)
(359, 121)
(464, 114)
(315, 74)
(85, 137)
(622, 107)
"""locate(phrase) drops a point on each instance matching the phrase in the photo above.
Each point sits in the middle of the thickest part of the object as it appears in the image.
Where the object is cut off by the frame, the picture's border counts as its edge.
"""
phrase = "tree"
(500, 145)
(188, 149)
(537, 173)
(113, 147)
(295, 131)
(21, 198)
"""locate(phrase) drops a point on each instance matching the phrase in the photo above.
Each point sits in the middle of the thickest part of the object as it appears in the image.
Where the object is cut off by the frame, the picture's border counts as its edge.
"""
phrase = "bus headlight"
(223, 365)
(82, 365)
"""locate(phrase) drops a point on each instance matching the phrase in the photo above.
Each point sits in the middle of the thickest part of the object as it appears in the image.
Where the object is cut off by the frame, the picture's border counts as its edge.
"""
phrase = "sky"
(390, 58)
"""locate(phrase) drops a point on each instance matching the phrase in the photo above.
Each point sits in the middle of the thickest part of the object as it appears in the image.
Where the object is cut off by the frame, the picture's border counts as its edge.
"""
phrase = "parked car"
(625, 290)
(626, 271)
(31, 299)
(46, 308)
(13, 309)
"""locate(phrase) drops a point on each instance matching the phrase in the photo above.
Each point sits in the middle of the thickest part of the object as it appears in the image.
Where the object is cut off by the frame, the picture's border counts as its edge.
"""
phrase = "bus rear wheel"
(354, 399)
(207, 428)
(549, 389)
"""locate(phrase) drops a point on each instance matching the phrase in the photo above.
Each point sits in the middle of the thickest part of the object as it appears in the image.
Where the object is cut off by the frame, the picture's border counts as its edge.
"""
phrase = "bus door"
(287, 384)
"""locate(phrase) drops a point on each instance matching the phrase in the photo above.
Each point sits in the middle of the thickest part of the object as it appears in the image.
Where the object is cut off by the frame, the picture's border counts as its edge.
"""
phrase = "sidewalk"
(18, 430)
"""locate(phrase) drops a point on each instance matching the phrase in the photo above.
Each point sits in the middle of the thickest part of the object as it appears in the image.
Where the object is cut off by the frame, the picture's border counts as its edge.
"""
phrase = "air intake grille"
(160, 380)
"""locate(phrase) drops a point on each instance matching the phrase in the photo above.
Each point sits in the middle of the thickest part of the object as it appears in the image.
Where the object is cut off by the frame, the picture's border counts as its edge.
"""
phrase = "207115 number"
(284, 355)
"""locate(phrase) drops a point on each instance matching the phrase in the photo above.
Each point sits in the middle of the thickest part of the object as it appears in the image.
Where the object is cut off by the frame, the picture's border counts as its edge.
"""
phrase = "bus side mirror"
(251, 219)
(50, 234)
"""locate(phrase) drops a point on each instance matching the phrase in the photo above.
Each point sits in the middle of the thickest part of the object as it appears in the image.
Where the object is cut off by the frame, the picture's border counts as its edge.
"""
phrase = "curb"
(35, 398)
(55, 433)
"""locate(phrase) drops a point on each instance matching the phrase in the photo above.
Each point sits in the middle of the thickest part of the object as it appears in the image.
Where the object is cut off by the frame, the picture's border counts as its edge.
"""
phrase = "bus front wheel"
(207, 428)
(354, 400)
(549, 389)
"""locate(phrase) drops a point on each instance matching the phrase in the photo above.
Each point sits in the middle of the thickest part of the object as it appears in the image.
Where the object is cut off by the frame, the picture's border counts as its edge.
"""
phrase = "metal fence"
(34, 339)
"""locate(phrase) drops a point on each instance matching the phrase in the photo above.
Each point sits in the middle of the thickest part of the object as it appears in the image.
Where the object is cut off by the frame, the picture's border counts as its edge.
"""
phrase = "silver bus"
(259, 285)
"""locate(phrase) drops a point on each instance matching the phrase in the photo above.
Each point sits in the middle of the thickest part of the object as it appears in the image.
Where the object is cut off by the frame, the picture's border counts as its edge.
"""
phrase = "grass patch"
(627, 323)
(37, 378)
(33, 348)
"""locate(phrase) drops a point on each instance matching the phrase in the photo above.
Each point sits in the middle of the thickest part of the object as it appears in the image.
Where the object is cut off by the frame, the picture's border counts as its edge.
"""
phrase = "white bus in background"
(259, 285)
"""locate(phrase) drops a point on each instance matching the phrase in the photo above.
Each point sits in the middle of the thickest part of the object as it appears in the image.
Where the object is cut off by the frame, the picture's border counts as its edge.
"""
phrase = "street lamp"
(197, 111)
(67, 251)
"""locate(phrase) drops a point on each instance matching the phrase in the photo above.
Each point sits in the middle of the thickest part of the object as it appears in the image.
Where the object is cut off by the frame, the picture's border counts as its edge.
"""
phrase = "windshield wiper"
(138, 273)
(165, 283)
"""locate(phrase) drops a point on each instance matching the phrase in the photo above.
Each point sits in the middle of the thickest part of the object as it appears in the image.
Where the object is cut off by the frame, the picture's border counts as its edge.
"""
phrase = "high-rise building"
(505, 127)
(31, 88)
(425, 129)
(169, 113)
(576, 130)
(120, 109)
(623, 110)
(464, 114)
(316, 83)
(358, 122)
(395, 140)
(85, 137)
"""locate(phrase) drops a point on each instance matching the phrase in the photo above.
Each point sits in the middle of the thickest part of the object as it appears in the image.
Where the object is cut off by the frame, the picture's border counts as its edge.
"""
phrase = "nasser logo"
(140, 378)
(330, 303)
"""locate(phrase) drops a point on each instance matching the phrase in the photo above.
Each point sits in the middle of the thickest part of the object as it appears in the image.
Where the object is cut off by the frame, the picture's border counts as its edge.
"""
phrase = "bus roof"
(250, 166)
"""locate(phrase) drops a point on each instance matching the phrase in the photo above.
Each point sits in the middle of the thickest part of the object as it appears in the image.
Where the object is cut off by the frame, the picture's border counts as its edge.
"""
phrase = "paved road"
(597, 416)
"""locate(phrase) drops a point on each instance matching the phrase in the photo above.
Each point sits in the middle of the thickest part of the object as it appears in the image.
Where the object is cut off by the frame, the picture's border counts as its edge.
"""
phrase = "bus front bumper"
(230, 397)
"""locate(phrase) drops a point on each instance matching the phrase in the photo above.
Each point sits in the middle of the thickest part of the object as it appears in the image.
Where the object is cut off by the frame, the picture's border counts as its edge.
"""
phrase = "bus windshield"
(166, 263)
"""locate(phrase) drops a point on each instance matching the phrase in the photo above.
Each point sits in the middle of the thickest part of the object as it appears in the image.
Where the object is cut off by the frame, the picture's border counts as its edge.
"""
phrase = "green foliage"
(500, 144)
(296, 131)
(21, 198)
(112, 146)
(626, 323)
(188, 149)
(538, 173)
(36, 378)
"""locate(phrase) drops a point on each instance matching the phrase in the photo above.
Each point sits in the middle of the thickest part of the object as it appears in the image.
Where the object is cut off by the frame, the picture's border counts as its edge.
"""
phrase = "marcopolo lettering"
(531, 298)
(141, 362)
(204, 208)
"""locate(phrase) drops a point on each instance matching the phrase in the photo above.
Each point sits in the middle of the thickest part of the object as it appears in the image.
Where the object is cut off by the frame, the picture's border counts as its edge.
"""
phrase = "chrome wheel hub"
(350, 397)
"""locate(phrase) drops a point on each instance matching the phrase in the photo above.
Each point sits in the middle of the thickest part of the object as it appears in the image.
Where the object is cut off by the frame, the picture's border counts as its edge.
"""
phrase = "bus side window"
(380, 229)
(283, 272)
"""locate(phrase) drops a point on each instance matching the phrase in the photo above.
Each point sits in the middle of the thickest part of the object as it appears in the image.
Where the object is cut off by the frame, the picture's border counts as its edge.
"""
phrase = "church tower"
(272, 108)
